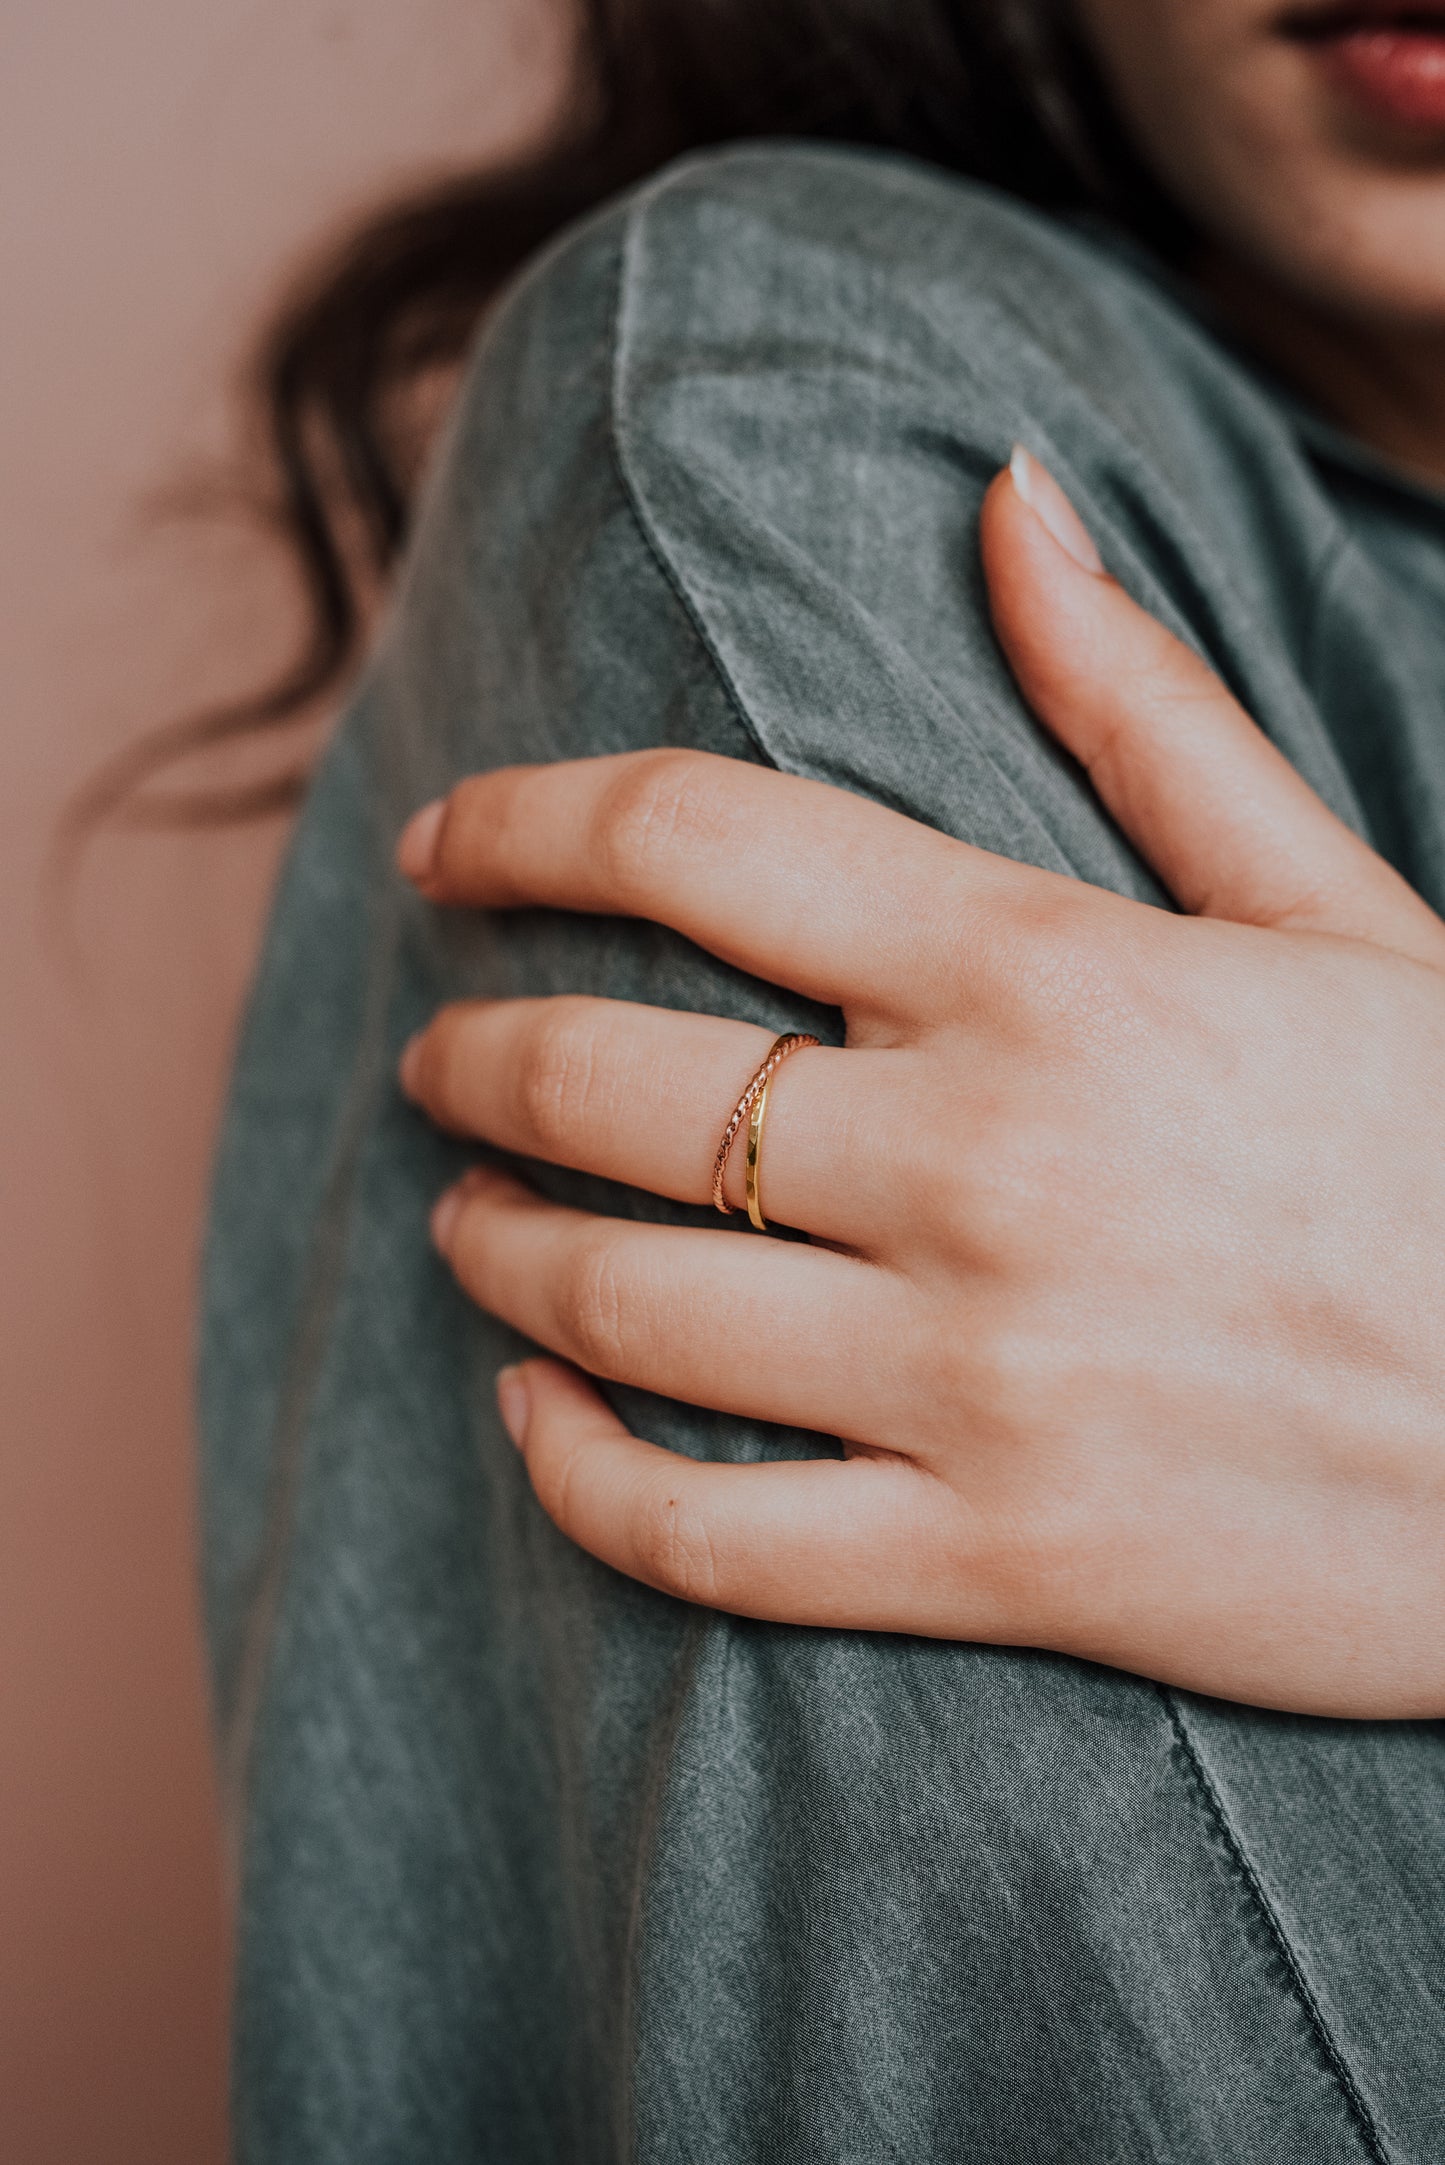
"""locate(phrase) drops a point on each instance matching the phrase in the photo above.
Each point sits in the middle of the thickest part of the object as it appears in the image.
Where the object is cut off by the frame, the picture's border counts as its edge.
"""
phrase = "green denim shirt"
(539, 1865)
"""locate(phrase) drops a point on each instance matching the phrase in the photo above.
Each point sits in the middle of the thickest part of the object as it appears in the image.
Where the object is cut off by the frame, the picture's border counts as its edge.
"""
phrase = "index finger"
(805, 885)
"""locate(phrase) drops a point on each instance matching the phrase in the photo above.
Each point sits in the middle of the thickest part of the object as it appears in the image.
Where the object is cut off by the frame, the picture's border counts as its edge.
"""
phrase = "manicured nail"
(408, 1068)
(1039, 490)
(417, 845)
(444, 1218)
(514, 1403)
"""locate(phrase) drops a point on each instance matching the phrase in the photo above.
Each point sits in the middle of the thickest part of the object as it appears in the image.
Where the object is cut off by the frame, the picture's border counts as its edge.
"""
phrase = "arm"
(460, 1749)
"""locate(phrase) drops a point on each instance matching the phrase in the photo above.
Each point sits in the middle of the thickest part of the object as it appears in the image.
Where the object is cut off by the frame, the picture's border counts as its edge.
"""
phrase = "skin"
(1128, 1311)
(1323, 224)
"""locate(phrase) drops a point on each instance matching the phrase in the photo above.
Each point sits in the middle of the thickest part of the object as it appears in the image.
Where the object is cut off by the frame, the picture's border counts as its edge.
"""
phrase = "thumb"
(1227, 823)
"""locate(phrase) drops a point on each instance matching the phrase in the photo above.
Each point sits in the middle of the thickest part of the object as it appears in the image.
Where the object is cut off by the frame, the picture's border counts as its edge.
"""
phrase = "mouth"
(1388, 58)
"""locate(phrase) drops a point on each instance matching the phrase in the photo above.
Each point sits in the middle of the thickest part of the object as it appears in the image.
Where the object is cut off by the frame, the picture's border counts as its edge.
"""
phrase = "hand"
(1126, 1296)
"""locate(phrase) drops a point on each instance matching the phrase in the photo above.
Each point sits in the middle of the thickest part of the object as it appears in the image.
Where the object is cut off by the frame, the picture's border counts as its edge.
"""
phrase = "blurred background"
(164, 167)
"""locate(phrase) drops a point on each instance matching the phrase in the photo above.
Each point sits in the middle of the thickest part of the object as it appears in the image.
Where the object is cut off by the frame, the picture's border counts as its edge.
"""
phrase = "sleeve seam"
(634, 497)
(632, 493)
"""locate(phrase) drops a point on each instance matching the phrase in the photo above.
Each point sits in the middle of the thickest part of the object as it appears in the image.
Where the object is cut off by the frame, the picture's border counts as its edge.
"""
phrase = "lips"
(1391, 59)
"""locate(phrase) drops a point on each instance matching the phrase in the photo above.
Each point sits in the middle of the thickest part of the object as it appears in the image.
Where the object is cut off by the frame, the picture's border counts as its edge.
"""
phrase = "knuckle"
(1032, 951)
(1021, 1185)
(674, 1549)
(1012, 1180)
(1000, 1383)
(555, 1078)
(1016, 1540)
(1050, 938)
(661, 807)
(596, 1318)
(960, 1374)
(1010, 1373)
(1079, 983)
(1034, 1560)
(1035, 1529)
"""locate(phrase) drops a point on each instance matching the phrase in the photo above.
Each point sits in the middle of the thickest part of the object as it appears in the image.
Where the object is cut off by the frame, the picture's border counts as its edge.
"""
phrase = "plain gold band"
(756, 1115)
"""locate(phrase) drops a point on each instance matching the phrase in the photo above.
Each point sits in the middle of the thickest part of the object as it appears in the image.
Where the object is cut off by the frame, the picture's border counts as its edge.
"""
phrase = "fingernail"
(418, 841)
(1039, 490)
(444, 1218)
(408, 1068)
(514, 1403)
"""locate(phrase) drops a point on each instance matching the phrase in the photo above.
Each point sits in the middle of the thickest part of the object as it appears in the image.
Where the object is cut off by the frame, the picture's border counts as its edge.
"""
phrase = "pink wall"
(160, 164)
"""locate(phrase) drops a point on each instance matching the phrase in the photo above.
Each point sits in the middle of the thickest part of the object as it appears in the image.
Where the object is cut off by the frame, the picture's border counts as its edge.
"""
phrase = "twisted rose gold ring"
(751, 1107)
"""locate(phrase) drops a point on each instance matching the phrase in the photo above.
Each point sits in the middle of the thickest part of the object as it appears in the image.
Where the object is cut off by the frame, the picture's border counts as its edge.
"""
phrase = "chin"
(1369, 251)
(1337, 234)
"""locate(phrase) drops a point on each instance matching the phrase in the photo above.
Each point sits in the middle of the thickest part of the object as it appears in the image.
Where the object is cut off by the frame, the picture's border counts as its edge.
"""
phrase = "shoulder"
(800, 327)
(734, 430)
(740, 422)
(864, 245)
(801, 257)
(783, 262)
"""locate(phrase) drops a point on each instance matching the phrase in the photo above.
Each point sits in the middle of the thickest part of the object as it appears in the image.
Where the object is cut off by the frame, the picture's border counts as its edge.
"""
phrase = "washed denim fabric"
(538, 1867)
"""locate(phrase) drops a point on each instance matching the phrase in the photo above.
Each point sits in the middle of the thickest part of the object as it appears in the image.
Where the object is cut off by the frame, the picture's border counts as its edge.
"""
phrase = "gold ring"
(750, 1107)
(750, 1159)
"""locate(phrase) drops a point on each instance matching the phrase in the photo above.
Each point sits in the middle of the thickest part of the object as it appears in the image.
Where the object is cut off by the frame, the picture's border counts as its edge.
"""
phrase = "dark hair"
(1002, 90)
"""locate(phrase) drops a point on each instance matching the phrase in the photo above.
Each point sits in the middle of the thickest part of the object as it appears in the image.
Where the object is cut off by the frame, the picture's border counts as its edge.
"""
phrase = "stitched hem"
(1245, 1871)
(632, 495)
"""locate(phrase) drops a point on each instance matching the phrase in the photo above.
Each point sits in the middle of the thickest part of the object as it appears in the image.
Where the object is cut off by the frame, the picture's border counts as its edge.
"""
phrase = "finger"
(1228, 824)
(642, 1095)
(867, 1543)
(769, 1329)
(802, 884)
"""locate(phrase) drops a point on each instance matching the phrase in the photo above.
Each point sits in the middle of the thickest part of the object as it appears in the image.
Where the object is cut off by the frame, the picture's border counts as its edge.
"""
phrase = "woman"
(1122, 1290)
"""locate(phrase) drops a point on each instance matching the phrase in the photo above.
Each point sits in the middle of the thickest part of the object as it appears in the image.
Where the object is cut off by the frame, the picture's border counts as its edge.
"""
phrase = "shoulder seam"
(632, 492)
(635, 498)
